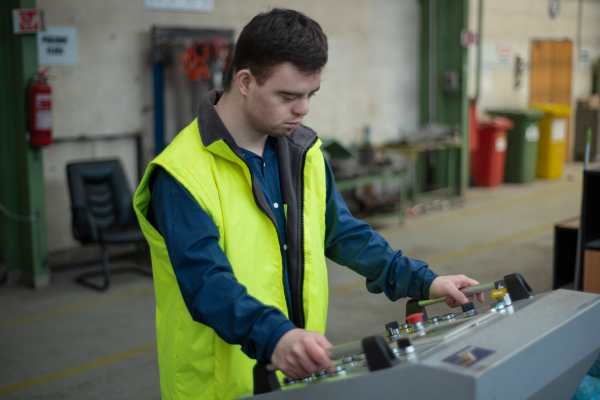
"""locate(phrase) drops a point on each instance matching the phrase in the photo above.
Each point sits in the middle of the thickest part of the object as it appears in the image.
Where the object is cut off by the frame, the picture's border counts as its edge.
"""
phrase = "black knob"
(468, 307)
(392, 325)
(392, 328)
(404, 343)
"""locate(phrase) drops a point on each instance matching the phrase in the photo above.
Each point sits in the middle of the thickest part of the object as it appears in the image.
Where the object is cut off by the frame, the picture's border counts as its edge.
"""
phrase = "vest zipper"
(299, 317)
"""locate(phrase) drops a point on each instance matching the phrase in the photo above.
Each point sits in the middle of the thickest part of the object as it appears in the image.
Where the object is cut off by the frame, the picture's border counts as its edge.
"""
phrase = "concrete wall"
(514, 24)
(371, 78)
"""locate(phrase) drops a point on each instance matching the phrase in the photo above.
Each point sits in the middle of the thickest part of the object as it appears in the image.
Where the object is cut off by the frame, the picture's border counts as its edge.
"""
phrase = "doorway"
(551, 76)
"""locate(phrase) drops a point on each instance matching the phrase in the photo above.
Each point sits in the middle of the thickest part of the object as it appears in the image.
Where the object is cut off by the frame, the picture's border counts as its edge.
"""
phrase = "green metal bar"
(479, 35)
(23, 217)
(468, 291)
(451, 106)
(463, 174)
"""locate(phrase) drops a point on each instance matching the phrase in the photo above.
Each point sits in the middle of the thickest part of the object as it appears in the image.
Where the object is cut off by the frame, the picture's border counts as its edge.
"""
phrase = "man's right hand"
(299, 353)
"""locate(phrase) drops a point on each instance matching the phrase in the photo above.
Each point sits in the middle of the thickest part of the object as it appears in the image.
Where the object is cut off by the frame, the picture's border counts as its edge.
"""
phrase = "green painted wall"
(22, 210)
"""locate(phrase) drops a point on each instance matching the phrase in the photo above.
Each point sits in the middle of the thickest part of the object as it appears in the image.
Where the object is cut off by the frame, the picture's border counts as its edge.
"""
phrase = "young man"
(240, 212)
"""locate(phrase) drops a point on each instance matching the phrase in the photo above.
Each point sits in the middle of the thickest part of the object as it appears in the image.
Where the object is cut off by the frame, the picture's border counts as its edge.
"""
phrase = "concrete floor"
(69, 342)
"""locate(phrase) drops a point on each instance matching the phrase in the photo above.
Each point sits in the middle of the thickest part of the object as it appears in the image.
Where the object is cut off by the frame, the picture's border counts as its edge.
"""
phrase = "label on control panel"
(498, 292)
(468, 356)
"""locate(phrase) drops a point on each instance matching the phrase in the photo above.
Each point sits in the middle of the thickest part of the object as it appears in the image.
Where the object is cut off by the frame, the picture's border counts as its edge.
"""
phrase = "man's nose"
(301, 106)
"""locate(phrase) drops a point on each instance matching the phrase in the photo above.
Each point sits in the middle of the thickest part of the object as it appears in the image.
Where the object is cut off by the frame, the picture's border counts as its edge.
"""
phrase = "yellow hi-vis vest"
(194, 362)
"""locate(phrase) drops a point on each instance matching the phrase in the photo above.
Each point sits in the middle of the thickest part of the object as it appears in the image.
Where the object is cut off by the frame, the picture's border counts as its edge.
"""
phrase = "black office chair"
(102, 212)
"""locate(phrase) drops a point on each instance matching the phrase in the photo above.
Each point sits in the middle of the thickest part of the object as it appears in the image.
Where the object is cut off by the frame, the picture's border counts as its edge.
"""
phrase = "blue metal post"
(159, 109)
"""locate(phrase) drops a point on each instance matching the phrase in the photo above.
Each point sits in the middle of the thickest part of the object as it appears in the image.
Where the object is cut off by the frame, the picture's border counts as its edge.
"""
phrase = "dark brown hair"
(278, 36)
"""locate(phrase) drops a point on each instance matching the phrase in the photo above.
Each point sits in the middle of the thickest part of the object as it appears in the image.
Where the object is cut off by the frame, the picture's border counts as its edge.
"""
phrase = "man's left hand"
(450, 285)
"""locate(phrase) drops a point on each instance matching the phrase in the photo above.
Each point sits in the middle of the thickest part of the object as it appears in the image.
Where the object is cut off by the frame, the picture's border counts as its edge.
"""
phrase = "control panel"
(520, 346)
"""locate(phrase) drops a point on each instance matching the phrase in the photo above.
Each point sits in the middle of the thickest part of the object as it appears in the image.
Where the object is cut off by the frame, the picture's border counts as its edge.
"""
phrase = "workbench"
(447, 154)
(375, 178)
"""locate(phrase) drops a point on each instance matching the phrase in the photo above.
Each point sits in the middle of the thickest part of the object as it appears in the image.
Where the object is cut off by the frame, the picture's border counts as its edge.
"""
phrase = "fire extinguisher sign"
(31, 20)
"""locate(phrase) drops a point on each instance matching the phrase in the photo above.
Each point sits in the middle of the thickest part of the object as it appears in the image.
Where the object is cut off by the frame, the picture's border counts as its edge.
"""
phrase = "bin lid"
(517, 113)
(553, 110)
(495, 123)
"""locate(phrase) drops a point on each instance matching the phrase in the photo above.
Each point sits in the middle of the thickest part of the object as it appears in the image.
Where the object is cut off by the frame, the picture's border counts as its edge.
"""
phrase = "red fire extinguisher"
(40, 111)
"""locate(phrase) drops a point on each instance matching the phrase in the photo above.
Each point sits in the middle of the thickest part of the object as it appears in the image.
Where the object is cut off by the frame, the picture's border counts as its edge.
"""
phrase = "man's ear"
(243, 79)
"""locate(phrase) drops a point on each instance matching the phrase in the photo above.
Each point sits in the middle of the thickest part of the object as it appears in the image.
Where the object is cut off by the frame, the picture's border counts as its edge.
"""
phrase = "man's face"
(277, 107)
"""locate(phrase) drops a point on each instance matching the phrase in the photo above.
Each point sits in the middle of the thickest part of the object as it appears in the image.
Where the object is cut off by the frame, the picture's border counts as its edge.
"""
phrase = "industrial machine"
(522, 346)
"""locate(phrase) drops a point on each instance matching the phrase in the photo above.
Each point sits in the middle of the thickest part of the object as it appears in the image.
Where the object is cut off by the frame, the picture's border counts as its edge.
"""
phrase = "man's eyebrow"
(286, 93)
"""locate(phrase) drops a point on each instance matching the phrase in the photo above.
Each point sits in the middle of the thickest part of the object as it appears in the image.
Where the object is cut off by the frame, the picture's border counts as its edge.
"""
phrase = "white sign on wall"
(585, 57)
(496, 55)
(202, 6)
(57, 46)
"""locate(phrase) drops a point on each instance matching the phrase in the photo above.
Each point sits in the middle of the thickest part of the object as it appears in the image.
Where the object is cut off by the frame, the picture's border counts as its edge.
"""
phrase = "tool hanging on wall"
(195, 59)
(198, 56)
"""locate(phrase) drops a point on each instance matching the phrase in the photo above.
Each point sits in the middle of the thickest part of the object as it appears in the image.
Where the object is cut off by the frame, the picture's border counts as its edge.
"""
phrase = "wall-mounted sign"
(31, 20)
(496, 55)
(504, 52)
(57, 46)
(201, 6)
(585, 57)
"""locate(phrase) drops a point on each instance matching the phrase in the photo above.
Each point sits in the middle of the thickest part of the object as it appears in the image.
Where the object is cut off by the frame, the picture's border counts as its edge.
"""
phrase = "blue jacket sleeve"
(206, 279)
(353, 243)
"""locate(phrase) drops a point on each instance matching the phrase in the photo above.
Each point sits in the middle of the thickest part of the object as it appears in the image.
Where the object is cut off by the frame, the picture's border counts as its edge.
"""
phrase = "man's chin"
(282, 132)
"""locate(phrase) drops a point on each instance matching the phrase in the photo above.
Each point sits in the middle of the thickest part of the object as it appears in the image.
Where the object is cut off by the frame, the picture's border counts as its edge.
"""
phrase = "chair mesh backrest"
(100, 197)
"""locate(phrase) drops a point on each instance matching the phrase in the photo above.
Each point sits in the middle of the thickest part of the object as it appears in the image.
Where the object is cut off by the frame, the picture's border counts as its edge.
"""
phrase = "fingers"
(450, 285)
(479, 297)
(299, 353)
(456, 295)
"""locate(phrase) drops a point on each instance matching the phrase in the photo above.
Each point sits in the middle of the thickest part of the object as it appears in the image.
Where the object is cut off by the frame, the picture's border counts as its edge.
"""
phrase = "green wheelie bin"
(522, 143)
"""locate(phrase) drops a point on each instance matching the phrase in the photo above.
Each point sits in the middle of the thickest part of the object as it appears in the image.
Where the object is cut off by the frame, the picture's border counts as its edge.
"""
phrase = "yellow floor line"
(38, 380)
(77, 307)
(485, 209)
(458, 254)
(545, 228)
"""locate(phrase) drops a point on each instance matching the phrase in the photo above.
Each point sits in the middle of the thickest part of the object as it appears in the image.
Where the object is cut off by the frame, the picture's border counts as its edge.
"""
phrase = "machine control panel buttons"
(405, 350)
(288, 381)
(393, 331)
(469, 309)
(347, 360)
(339, 370)
(448, 317)
(405, 328)
(416, 320)
(434, 320)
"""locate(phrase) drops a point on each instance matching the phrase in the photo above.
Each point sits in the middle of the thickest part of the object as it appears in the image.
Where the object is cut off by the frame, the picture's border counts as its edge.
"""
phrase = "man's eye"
(287, 98)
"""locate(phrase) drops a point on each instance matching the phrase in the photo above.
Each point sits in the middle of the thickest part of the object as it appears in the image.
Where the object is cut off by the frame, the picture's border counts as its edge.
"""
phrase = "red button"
(414, 318)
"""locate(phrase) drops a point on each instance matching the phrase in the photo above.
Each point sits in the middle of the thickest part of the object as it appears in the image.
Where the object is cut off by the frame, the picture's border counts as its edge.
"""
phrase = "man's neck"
(230, 110)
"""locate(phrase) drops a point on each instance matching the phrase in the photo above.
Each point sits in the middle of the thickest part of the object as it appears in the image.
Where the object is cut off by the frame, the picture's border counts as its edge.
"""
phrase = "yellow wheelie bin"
(553, 136)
